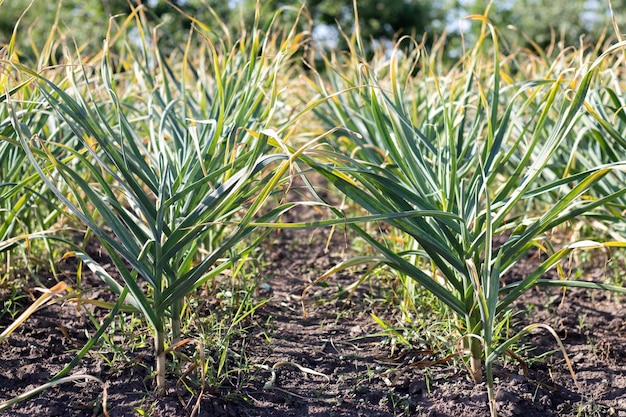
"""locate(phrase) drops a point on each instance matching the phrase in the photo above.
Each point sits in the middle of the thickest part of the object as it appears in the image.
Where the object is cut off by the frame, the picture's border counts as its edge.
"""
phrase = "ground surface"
(339, 339)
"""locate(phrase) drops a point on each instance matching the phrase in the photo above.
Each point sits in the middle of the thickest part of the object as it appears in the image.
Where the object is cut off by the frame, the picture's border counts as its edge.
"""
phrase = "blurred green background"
(541, 21)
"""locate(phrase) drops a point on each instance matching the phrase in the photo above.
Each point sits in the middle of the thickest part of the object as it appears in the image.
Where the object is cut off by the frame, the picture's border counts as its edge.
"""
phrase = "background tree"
(564, 20)
(85, 20)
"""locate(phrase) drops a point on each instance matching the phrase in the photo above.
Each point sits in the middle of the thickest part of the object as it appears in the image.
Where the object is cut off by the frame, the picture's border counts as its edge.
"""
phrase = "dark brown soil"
(339, 340)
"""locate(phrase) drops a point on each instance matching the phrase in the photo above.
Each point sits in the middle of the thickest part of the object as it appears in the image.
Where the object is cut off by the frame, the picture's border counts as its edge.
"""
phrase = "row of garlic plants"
(167, 161)
(485, 164)
(173, 161)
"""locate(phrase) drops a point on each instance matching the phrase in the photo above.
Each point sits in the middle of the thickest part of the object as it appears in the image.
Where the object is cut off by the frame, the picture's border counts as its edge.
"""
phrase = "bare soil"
(334, 361)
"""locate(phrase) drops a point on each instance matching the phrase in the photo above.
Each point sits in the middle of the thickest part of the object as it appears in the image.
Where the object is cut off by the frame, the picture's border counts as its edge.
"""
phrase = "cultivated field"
(246, 225)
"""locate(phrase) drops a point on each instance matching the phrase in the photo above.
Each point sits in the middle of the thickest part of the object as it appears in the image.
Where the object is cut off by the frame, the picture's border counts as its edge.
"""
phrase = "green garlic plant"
(169, 161)
(28, 211)
(464, 156)
(605, 144)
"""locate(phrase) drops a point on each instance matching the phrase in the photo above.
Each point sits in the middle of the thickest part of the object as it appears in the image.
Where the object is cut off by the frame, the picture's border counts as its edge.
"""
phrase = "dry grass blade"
(73, 378)
(48, 294)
